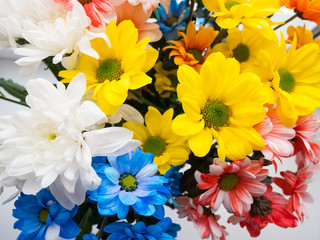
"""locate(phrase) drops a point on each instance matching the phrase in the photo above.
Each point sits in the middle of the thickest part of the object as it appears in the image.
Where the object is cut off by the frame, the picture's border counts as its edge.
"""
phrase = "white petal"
(77, 87)
(53, 232)
(90, 113)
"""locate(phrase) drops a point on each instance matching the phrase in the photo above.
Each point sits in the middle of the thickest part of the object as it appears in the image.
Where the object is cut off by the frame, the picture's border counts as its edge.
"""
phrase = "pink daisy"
(308, 152)
(272, 207)
(204, 220)
(295, 185)
(231, 184)
(276, 137)
(99, 11)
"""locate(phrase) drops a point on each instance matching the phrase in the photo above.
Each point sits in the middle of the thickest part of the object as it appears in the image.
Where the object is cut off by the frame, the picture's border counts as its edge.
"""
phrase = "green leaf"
(14, 89)
(85, 226)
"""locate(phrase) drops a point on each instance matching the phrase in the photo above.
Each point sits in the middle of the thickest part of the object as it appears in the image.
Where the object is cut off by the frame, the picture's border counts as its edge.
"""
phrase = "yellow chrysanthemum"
(157, 137)
(243, 45)
(292, 78)
(220, 103)
(121, 66)
(194, 47)
(304, 36)
(251, 13)
(166, 81)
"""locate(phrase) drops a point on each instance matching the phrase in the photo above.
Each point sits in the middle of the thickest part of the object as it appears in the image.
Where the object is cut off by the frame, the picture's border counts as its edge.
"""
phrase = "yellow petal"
(184, 126)
(247, 113)
(140, 131)
(153, 121)
(201, 142)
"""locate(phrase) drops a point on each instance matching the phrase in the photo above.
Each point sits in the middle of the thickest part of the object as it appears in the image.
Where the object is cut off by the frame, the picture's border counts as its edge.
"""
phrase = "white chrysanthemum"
(51, 145)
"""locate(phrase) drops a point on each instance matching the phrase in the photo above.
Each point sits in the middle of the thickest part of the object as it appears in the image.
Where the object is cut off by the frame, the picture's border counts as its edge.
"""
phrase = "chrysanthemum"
(308, 151)
(292, 78)
(276, 137)
(157, 138)
(166, 80)
(295, 185)
(251, 13)
(234, 185)
(121, 66)
(306, 9)
(194, 48)
(42, 217)
(164, 229)
(51, 144)
(272, 207)
(220, 103)
(129, 180)
(203, 219)
(304, 36)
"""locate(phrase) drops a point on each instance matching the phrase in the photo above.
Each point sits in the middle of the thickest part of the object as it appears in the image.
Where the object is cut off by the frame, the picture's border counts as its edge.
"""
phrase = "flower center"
(287, 81)
(171, 21)
(109, 69)
(228, 181)
(196, 54)
(154, 145)
(215, 114)
(241, 52)
(229, 4)
(128, 182)
(52, 136)
(261, 206)
(43, 215)
(84, 1)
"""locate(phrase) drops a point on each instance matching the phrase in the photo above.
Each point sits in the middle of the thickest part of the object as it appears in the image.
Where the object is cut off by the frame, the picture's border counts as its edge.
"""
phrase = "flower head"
(42, 217)
(233, 185)
(121, 66)
(129, 180)
(303, 35)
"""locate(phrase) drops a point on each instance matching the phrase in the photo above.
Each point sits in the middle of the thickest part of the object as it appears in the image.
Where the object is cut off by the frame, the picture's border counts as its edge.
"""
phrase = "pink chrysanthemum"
(99, 11)
(276, 137)
(232, 184)
(272, 207)
(308, 152)
(295, 185)
(204, 220)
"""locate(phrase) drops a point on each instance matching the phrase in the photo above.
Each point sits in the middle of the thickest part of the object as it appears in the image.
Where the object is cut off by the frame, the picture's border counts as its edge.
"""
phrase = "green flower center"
(261, 207)
(43, 215)
(230, 4)
(84, 1)
(287, 81)
(171, 21)
(196, 54)
(109, 69)
(215, 114)
(228, 181)
(52, 136)
(241, 52)
(128, 182)
(154, 145)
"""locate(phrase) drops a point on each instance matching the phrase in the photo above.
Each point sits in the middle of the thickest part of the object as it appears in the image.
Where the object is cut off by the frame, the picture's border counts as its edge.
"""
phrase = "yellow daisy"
(157, 138)
(121, 66)
(292, 78)
(220, 103)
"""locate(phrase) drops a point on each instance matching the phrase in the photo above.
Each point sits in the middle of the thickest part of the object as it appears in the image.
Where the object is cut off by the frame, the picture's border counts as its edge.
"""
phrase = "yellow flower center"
(215, 114)
(52, 136)
(228, 181)
(261, 207)
(128, 182)
(171, 21)
(84, 1)
(109, 69)
(154, 145)
(241, 52)
(287, 81)
(229, 4)
(196, 54)
(43, 215)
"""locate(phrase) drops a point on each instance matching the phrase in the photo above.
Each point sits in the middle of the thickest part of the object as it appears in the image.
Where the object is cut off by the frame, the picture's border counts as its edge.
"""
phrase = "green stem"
(103, 224)
(146, 101)
(219, 37)
(288, 20)
(54, 68)
(191, 10)
(11, 100)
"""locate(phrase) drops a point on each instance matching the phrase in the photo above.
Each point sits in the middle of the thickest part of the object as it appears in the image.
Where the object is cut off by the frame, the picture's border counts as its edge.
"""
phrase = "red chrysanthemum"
(234, 185)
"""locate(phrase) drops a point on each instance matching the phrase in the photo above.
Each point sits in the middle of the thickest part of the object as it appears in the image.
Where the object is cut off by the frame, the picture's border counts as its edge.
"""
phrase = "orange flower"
(194, 47)
(304, 36)
(306, 9)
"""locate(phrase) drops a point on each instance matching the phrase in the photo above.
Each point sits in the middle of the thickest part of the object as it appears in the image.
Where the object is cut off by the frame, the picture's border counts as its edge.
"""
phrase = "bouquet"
(186, 104)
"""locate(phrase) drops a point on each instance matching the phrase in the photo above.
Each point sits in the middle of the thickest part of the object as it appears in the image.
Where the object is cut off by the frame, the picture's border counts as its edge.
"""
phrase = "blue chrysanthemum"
(129, 180)
(173, 22)
(42, 217)
(163, 230)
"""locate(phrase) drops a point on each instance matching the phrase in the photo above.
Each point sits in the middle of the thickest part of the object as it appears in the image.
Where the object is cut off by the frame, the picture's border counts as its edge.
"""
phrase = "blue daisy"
(173, 22)
(163, 230)
(129, 180)
(42, 217)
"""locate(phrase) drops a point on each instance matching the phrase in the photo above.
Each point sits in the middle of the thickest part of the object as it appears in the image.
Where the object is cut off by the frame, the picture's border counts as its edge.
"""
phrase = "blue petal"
(159, 213)
(112, 174)
(165, 223)
(147, 171)
(69, 230)
(150, 183)
(139, 227)
(107, 211)
(143, 208)
(122, 210)
(142, 193)
(155, 230)
(123, 163)
(116, 227)
(157, 199)
(138, 161)
(127, 198)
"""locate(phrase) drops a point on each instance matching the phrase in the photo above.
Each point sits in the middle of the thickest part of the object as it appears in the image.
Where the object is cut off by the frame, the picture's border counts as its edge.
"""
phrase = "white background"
(310, 229)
